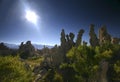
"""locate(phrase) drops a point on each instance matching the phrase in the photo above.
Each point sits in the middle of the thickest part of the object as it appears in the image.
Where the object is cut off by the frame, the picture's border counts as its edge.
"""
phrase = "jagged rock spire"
(79, 37)
(104, 37)
(93, 37)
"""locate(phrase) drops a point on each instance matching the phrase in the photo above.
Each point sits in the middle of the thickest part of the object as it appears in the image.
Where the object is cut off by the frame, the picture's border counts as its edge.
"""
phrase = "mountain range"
(37, 46)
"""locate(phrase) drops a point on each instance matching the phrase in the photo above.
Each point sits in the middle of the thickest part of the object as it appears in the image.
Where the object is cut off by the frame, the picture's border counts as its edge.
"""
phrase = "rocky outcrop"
(69, 41)
(84, 43)
(71, 35)
(104, 36)
(79, 37)
(4, 50)
(63, 39)
(103, 71)
(115, 40)
(93, 37)
(3, 47)
(26, 50)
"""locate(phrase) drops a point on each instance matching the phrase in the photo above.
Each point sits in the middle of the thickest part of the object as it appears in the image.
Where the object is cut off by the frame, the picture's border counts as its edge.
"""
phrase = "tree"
(52, 76)
(82, 62)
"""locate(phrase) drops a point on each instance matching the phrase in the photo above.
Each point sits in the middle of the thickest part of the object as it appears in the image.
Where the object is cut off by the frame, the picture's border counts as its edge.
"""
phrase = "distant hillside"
(12, 46)
(37, 46)
(40, 46)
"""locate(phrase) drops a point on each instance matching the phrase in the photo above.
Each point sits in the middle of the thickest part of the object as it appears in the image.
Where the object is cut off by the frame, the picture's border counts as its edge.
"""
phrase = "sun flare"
(31, 16)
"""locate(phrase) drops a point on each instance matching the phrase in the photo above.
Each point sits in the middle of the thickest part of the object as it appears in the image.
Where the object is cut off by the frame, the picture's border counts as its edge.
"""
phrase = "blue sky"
(55, 15)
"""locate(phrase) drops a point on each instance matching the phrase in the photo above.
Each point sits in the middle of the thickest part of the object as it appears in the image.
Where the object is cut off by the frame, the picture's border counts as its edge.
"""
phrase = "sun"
(31, 16)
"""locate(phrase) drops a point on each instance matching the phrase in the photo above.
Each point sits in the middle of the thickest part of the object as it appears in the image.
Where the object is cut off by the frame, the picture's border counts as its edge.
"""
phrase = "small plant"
(13, 70)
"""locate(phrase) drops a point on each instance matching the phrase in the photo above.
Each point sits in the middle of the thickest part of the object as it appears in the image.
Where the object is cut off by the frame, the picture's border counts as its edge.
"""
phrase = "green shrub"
(52, 76)
(13, 70)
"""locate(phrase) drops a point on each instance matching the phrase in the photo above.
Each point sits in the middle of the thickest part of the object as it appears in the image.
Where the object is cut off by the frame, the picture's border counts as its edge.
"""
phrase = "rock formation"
(71, 35)
(67, 41)
(79, 37)
(3, 47)
(63, 39)
(84, 43)
(115, 40)
(104, 37)
(103, 71)
(93, 37)
(27, 50)
(4, 50)
(70, 41)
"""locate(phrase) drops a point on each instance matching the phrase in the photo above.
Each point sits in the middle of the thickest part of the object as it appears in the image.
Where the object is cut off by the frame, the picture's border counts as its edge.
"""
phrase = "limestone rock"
(104, 37)
(79, 37)
(115, 40)
(63, 39)
(103, 71)
(4, 50)
(3, 47)
(26, 50)
(93, 37)
(70, 41)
